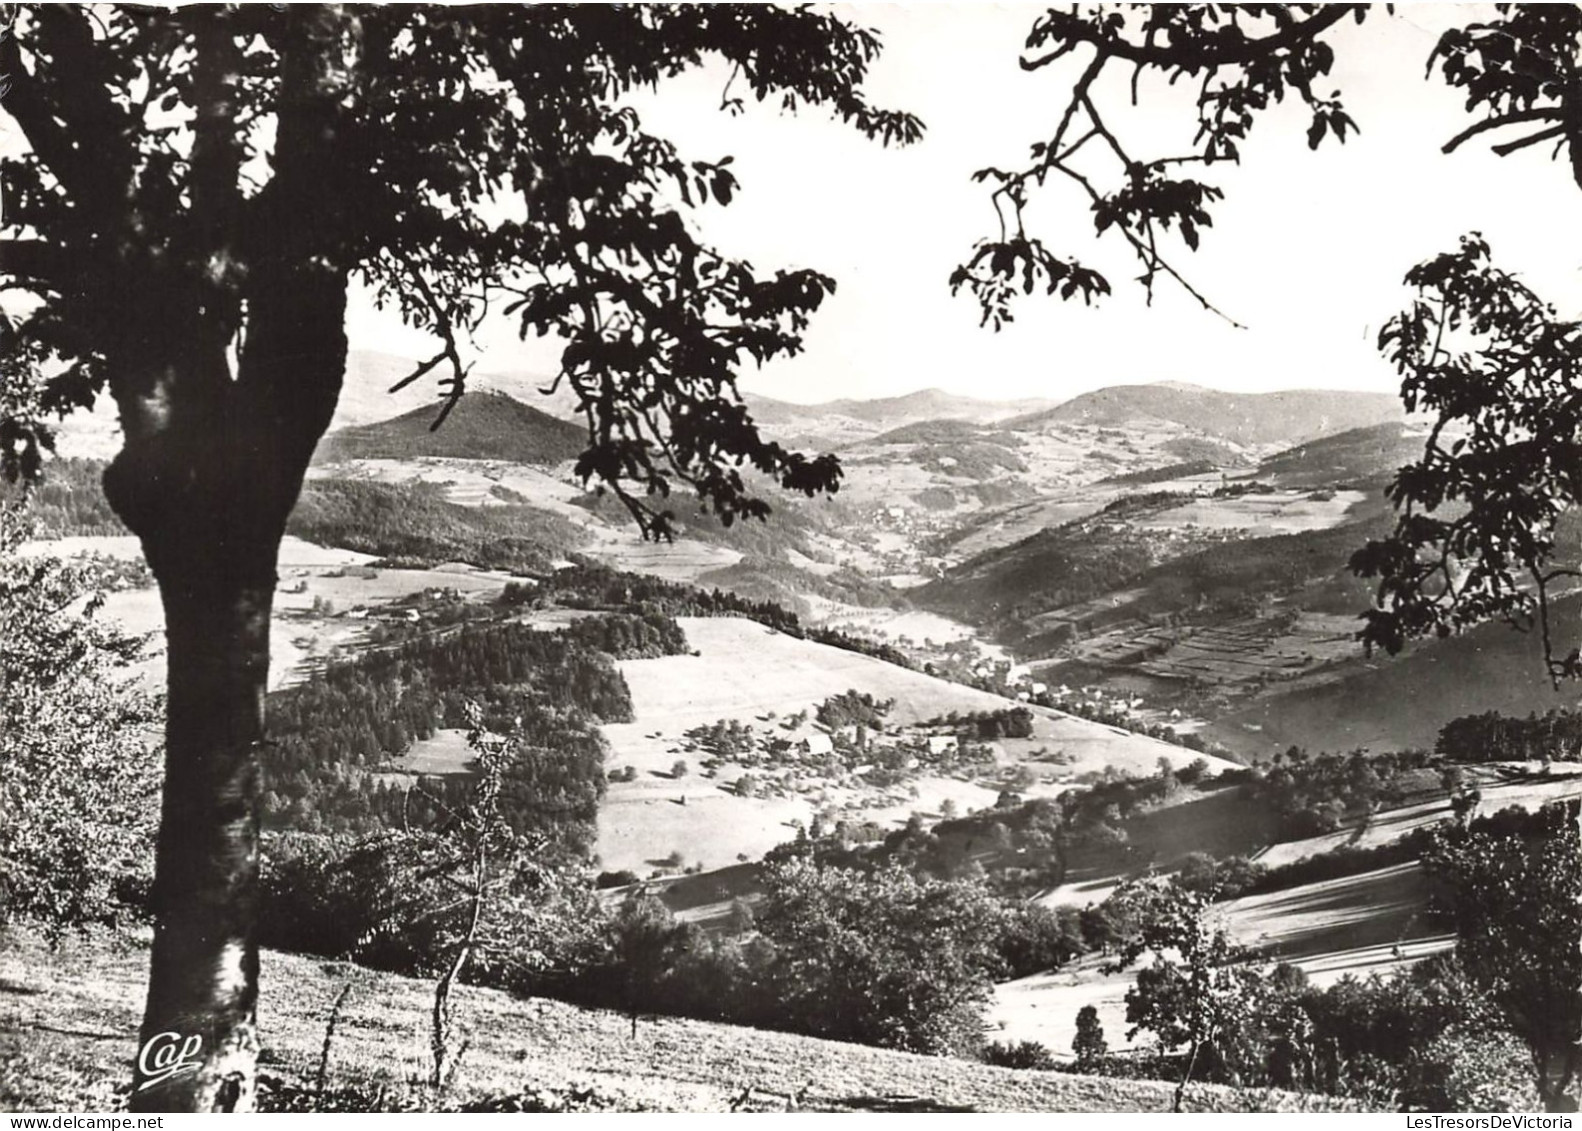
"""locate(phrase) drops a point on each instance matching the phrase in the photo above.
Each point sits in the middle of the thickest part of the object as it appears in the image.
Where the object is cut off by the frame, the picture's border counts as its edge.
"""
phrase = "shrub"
(1467, 1070)
(1089, 1043)
(1023, 1054)
(79, 781)
(880, 956)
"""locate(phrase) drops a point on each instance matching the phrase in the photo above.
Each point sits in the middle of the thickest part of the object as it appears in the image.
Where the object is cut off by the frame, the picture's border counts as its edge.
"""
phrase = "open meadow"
(744, 671)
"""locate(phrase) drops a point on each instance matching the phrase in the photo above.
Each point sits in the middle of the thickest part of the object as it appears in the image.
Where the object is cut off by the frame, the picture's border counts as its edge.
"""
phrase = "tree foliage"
(1497, 370)
(1239, 60)
(880, 956)
(481, 159)
(78, 748)
(1517, 904)
(1089, 1043)
(1198, 992)
(1493, 737)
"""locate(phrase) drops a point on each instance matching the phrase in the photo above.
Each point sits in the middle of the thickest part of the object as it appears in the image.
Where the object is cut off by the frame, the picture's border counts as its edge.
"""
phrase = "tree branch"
(1536, 114)
(1202, 54)
(49, 140)
(96, 128)
(1510, 147)
(447, 332)
(36, 262)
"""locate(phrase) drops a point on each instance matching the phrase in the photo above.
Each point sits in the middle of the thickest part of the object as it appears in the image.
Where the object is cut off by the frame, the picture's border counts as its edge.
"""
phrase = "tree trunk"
(1556, 1091)
(199, 1041)
(1186, 1075)
(210, 469)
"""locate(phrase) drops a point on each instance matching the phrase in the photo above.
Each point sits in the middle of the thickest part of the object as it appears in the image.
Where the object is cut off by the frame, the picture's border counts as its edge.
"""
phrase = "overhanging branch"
(1536, 114)
(1205, 53)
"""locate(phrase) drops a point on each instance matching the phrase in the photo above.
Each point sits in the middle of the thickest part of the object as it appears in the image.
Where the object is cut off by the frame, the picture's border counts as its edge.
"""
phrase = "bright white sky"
(1308, 249)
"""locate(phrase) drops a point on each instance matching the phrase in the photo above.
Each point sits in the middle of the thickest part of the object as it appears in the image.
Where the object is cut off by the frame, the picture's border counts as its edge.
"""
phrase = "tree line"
(334, 735)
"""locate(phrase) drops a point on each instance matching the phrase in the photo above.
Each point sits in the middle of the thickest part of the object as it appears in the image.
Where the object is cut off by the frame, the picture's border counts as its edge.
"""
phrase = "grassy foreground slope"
(67, 1020)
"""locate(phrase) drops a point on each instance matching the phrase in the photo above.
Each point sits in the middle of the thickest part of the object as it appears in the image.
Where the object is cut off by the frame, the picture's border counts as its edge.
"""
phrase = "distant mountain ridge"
(484, 425)
(924, 404)
(847, 421)
(1286, 417)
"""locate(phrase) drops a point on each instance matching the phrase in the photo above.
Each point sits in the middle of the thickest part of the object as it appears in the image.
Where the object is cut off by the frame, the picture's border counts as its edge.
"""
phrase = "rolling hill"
(485, 425)
(834, 423)
(1288, 417)
(933, 431)
(1368, 454)
(1395, 703)
(1146, 556)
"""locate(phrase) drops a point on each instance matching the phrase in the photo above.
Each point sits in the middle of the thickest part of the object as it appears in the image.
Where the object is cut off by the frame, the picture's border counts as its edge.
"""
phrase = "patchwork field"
(1280, 512)
(1381, 702)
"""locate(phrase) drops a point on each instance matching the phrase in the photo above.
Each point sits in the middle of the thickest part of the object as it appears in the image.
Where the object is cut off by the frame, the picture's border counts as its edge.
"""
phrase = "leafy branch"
(1244, 58)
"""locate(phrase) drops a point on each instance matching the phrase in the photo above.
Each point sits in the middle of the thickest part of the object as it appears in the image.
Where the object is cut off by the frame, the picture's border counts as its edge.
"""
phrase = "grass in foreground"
(68, 1020)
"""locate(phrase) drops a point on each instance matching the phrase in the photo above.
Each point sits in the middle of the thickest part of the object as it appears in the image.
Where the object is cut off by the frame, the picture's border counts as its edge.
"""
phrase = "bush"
(1089, 1043)
(1467, 1070)
(79, 776)
(1023, 1054)
(880, 957)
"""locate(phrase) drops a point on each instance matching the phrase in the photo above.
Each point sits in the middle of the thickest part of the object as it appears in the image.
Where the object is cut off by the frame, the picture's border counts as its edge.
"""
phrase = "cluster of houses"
(409, 609)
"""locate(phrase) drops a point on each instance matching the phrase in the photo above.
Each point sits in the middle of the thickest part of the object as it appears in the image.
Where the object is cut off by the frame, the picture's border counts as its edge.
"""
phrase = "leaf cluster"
(1241, 59)
(456, 161)
(1478, 528)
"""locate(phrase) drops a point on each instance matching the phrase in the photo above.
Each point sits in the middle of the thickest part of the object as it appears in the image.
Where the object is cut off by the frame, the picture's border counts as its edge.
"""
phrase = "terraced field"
(1254, 650)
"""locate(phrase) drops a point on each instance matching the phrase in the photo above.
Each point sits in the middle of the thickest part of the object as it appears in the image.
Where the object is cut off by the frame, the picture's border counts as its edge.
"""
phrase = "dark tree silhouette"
(201, 187)
(1518, 909)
